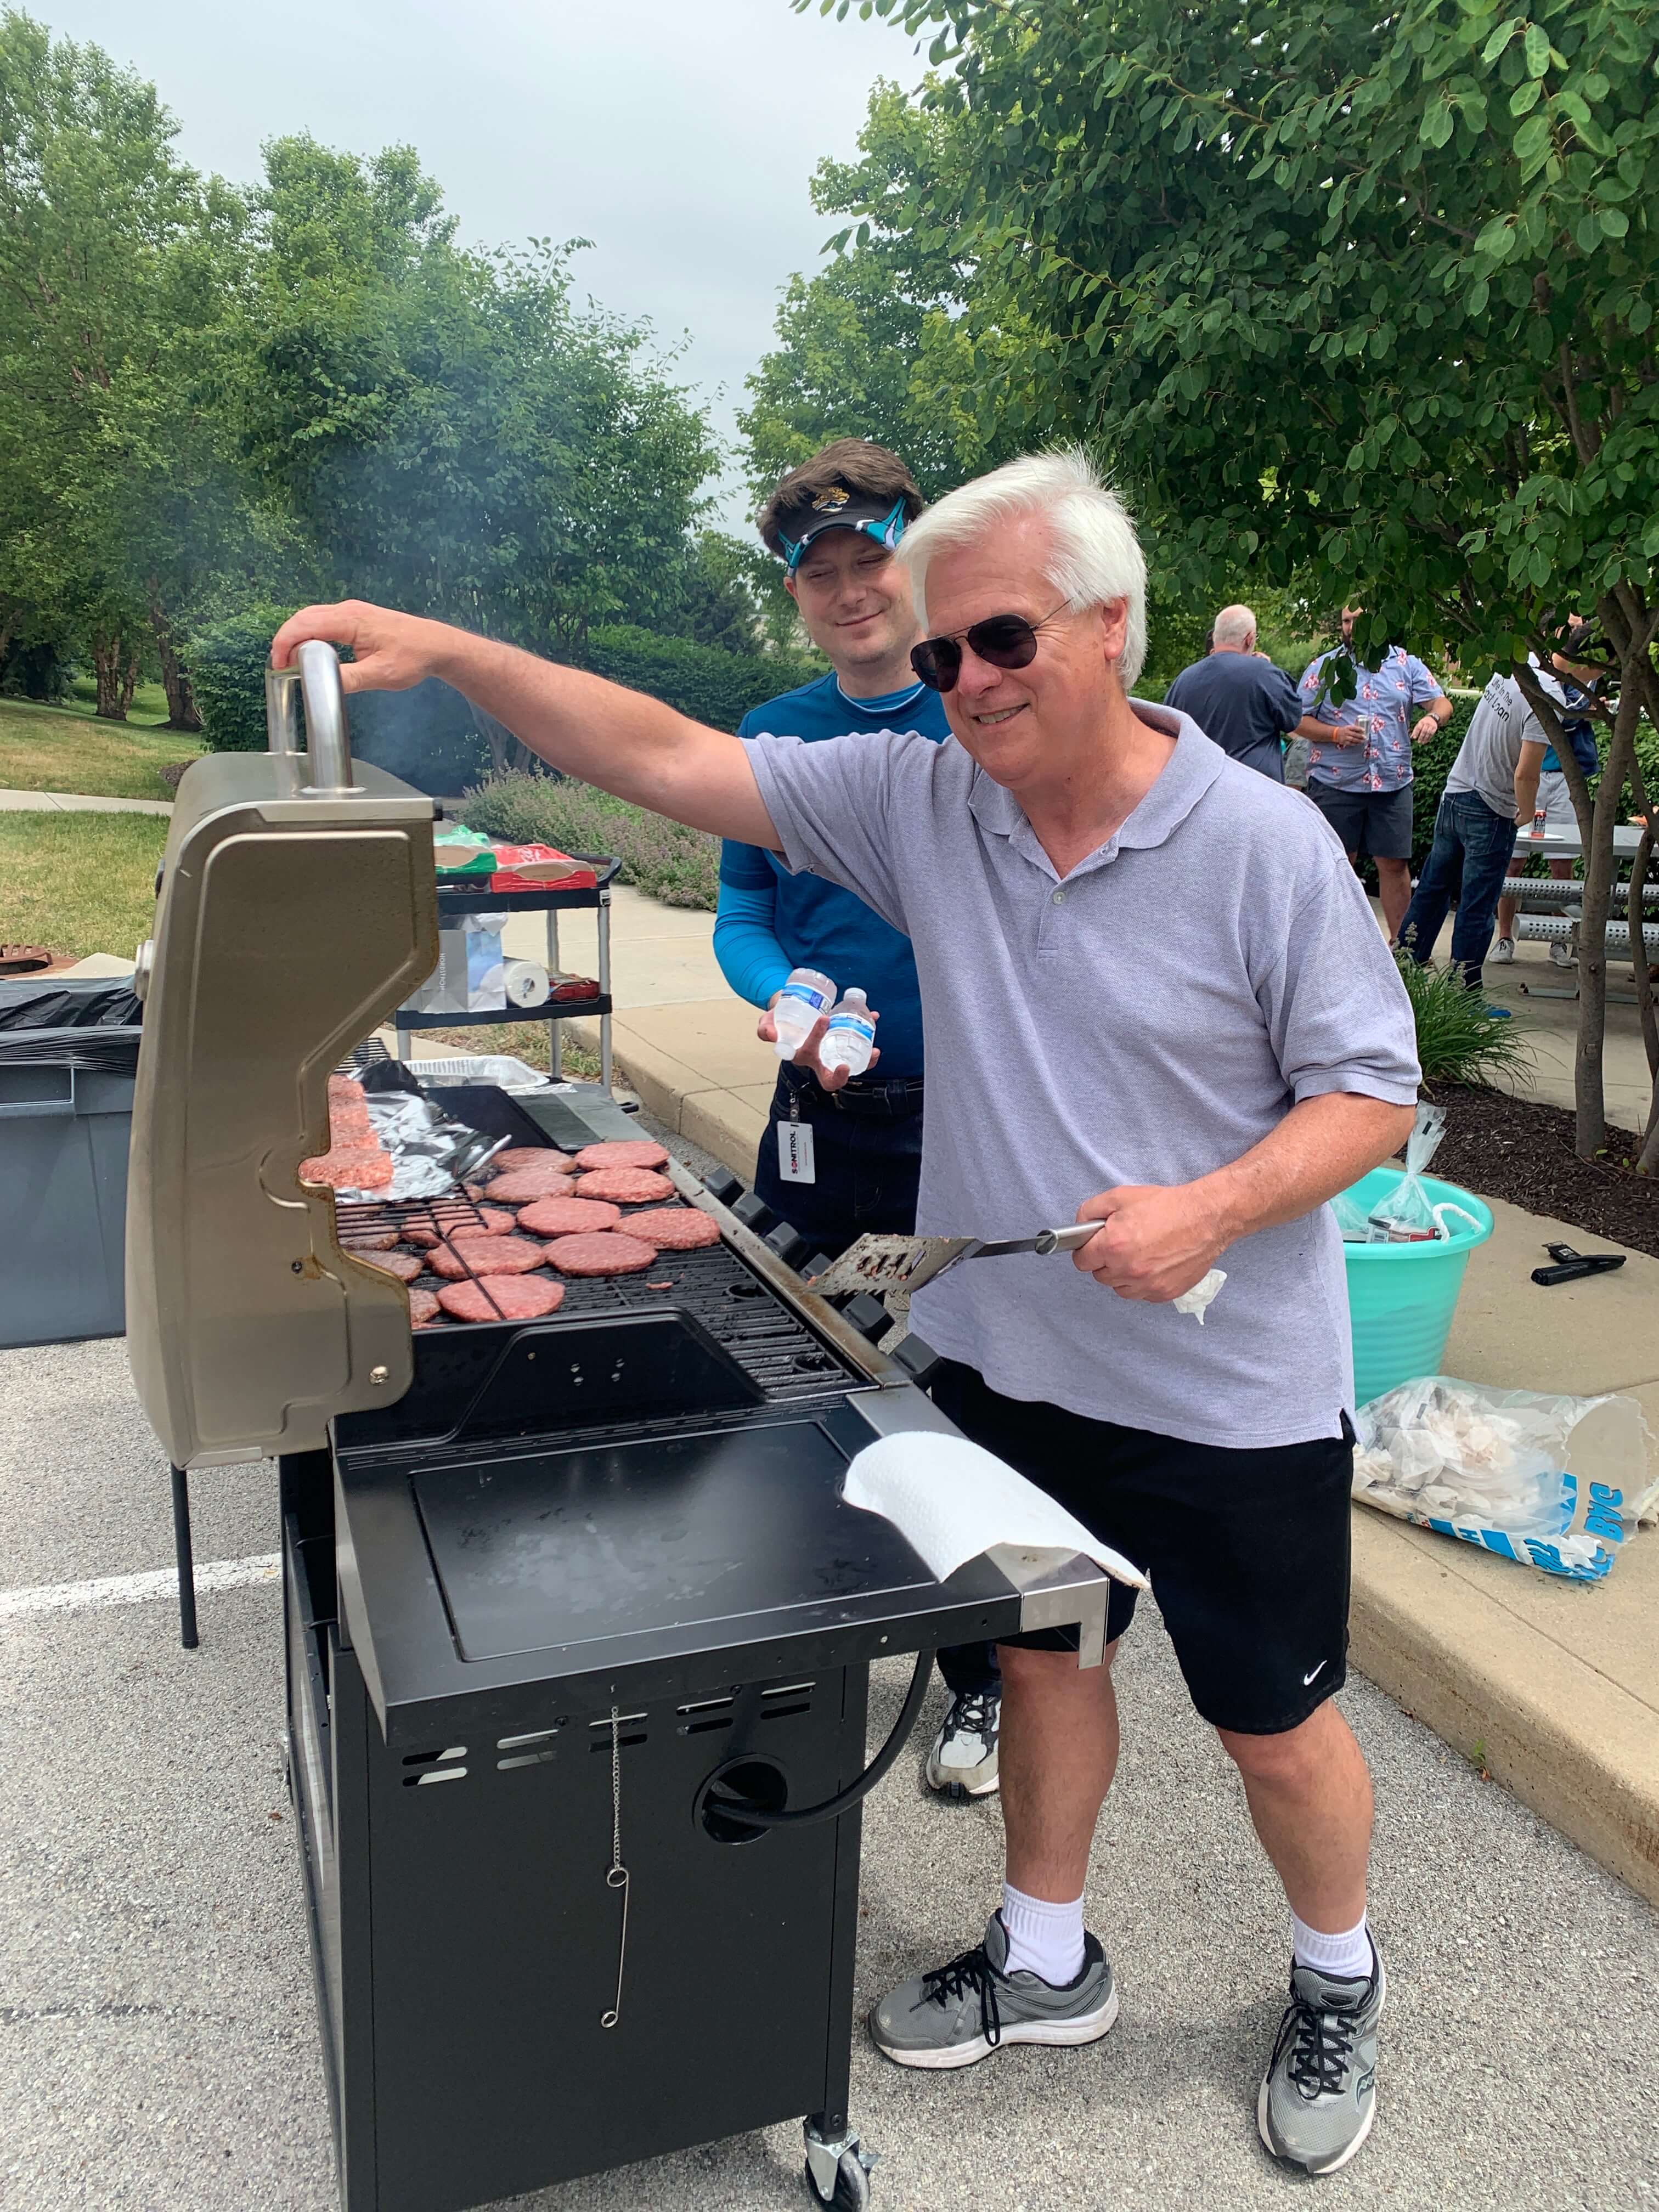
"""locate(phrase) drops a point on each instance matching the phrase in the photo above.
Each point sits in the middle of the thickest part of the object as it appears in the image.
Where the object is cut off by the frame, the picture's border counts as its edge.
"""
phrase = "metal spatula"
(906, 1263)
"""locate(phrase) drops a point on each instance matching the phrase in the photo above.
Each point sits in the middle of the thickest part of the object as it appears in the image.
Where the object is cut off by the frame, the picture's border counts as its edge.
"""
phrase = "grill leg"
(183, 1553)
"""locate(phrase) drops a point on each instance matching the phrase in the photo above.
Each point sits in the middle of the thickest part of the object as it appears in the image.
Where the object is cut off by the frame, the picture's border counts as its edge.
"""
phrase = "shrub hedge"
(680, 867)
(702, 681)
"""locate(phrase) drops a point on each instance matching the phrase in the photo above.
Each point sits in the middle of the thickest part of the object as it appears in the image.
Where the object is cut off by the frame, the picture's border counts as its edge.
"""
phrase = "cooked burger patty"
(604, 1253)
(674, 1229)
(622, 1152)
(624, 1186)
(502, 1298)
(484, 1256)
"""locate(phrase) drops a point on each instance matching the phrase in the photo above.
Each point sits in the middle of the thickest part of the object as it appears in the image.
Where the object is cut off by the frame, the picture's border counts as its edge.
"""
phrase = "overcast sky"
(677, 135)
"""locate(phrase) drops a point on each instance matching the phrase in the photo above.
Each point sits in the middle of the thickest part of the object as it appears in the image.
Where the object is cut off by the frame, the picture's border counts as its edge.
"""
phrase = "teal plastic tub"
(1401, 1298)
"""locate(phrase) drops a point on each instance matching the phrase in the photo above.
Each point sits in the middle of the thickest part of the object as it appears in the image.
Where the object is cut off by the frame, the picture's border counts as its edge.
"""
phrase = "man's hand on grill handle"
(393, 652)
(625, 743)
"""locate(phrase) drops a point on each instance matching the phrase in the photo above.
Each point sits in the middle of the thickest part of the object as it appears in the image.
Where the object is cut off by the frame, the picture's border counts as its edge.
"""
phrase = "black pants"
(867, 1148)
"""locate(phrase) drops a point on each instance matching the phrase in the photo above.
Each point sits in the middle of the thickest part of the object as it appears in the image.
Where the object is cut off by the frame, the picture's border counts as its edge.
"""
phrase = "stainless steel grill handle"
(313, 676)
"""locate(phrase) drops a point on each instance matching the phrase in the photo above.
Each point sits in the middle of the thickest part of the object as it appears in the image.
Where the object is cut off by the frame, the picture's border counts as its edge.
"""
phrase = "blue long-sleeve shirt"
(768, 921)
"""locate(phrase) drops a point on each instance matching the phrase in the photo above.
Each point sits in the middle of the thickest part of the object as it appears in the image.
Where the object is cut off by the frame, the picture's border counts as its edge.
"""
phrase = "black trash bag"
(116, 1008)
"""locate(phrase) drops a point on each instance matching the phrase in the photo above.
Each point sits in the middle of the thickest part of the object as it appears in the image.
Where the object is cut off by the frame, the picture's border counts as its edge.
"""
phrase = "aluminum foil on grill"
(430, 1151)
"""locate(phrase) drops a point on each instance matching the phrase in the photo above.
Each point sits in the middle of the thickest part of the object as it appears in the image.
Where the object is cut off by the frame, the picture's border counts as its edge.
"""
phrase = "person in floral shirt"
(1360, 777)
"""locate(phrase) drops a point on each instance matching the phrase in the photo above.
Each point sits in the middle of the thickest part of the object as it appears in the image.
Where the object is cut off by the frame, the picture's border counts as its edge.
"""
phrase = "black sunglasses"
(1004, 641)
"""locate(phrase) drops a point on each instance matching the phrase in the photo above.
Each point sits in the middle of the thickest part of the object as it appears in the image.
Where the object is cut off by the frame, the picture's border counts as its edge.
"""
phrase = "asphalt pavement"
(158, 2048)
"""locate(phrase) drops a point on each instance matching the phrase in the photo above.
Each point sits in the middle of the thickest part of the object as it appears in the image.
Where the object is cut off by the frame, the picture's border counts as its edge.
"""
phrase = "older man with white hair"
(1237, 696)
(1154, 998)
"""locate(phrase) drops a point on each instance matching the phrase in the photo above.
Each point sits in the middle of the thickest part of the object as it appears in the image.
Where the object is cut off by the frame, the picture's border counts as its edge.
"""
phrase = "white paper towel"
(950, 1500)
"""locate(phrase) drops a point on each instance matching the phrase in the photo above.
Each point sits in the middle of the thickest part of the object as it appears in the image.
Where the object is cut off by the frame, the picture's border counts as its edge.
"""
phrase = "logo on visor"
(831, 500)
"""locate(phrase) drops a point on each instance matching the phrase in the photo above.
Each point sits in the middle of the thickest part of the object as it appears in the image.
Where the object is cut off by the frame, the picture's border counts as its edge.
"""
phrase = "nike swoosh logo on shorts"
(1319, 1669)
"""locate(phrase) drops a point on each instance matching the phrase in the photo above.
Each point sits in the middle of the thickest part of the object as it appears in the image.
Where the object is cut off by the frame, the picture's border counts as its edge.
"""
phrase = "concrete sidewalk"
(1554, 1685)
(77, 802)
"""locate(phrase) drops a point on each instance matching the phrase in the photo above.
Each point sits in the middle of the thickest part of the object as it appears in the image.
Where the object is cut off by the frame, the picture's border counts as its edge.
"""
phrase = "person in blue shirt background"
(834, 522)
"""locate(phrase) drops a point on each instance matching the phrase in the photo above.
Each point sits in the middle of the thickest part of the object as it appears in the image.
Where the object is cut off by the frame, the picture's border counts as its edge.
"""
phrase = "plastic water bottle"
(805, 995)
(851, 1035)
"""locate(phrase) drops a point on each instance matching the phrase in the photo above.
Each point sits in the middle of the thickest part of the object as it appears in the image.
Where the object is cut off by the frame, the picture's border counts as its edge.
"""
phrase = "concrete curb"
(1579, 1749)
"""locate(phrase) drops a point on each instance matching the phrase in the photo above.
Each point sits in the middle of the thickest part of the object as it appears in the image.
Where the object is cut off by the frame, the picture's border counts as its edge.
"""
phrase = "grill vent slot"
(785, 1698)
(535, 1749)
(435, 1766)
(600, 1731)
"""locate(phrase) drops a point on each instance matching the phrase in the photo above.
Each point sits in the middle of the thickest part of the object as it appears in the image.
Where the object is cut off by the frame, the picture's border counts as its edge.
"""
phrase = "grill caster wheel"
(838, 2174)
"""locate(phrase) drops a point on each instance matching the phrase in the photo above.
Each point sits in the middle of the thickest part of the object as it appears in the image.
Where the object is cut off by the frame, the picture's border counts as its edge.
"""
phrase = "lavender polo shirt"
(1145, 1020)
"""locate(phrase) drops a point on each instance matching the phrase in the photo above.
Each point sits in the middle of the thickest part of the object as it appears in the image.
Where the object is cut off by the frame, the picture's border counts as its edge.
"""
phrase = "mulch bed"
(1522, 1152)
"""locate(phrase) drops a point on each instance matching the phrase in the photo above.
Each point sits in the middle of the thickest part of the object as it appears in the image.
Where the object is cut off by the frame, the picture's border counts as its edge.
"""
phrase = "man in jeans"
(1360, 772)
(1489, 798)
(835, 523)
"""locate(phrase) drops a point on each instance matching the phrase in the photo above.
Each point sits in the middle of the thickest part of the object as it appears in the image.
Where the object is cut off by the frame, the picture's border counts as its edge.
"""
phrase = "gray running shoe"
(963, 1761)
(959, 2014)
(1503, 951)
(1318, 2097)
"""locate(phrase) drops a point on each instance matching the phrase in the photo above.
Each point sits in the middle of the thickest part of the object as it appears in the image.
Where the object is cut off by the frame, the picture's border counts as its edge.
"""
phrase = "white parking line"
(135, 1589)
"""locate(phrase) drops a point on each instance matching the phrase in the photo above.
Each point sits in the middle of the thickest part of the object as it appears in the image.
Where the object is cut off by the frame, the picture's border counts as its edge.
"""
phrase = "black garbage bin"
(69, 1059)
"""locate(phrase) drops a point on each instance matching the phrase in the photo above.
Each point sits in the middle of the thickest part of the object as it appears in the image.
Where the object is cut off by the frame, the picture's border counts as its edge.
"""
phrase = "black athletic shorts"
(1247, 1551)
(1374, 822)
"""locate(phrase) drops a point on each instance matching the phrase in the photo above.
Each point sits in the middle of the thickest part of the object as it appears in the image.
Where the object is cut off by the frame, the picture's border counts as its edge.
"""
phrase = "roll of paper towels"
(526, 983)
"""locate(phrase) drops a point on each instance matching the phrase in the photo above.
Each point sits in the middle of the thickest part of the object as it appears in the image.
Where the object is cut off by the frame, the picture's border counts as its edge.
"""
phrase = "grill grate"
(736, 1308)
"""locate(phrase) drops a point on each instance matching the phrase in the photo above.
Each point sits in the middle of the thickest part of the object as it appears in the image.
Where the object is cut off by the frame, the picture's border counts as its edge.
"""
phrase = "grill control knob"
(723, 1185)
(867, 1315)
(918, 1357)
(788, 1244)
(143, 961)
(754, 1212)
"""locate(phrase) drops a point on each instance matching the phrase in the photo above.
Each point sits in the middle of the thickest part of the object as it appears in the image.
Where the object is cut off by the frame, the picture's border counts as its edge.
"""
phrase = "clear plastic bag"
(1352, 1218)
(1551, 1482)
(1405, 1215)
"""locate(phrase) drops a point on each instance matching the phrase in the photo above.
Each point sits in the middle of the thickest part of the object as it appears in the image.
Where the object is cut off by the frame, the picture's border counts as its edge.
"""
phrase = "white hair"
(1235, 626)
(1094, 555)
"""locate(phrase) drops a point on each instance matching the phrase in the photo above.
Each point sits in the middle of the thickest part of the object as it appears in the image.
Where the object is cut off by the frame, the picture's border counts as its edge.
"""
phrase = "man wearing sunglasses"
(834, 522)
(1156, 998)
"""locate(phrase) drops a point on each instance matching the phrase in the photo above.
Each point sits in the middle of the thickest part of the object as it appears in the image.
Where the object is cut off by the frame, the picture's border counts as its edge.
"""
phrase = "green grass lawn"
(64, 749)
(149, 701)
(79, 883)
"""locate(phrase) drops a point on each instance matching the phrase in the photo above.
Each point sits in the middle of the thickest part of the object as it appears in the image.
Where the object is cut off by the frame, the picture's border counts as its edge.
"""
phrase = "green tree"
(448, 432)
(115, 260)
(1365, 298)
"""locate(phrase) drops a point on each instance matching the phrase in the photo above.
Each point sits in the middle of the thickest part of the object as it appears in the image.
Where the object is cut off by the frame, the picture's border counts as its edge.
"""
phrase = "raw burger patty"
(460, 1221)
(567, 1217)
(350, 1170)
(484, 1256)
(423, 1307)
(533, 1156)
(674, 1229)
(626, 1186)
(603, 1253)
(622, 1152)
(518, 1186)
(404, 1264)
(368, 1239)
(515, 1298)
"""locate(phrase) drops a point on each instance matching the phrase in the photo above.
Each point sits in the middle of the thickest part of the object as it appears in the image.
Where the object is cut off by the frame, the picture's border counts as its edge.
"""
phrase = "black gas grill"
(578, 1625)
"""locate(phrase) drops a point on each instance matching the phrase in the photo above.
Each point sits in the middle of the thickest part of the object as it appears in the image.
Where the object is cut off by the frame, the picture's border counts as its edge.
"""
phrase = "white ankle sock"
(1043, 1939)
(1348, 1955)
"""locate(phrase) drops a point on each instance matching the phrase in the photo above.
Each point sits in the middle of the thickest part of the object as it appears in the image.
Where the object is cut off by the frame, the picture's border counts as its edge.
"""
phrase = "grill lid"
(296, 908)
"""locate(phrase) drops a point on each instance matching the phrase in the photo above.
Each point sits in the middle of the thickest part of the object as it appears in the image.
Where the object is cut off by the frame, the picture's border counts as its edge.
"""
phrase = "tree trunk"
(508, 755)
(1596, 826)
(107, 669)
(182, 711)
(129, 683)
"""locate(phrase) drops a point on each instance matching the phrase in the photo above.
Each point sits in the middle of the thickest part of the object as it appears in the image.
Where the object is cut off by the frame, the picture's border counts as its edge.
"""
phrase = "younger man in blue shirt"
(834, 522)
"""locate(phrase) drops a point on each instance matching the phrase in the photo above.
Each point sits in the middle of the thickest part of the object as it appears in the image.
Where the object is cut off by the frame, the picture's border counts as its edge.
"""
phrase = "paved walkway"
(77, 802)
(158, 2036)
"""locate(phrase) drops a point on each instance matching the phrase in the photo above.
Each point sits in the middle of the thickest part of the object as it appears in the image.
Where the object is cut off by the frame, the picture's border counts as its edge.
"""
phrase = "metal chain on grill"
(616, 1877)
